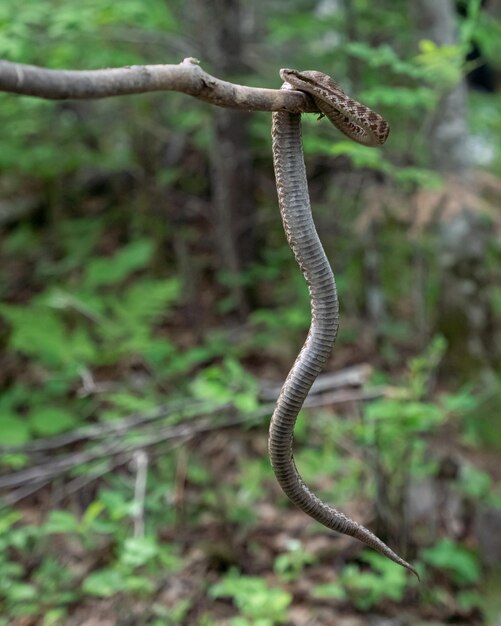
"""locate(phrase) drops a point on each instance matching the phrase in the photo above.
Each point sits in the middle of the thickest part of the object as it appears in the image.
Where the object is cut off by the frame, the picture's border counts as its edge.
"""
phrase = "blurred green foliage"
(365, 589)
(96, 326)
(259, 603)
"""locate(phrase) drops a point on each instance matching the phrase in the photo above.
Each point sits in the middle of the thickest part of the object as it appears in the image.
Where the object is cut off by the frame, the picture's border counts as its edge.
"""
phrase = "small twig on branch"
(186, 77)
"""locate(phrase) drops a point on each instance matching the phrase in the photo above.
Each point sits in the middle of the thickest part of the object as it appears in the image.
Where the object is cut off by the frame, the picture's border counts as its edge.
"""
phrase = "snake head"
(354, 119)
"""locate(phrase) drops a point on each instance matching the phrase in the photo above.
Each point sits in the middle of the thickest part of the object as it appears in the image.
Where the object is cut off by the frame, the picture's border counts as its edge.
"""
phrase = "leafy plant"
(22, 593)
(477, 484)
(365, 589)
(441, 64)
(459, 563)
(389, 429)
(289, 566)
(135, 567)
(107, 582)
(227, 382)
(259, 603)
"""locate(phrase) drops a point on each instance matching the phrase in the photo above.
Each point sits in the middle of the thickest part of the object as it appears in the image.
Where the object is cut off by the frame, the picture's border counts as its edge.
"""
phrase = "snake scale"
(366, 127)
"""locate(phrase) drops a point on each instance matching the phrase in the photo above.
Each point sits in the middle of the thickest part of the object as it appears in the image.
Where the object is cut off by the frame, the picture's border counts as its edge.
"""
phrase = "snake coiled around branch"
(364, 126)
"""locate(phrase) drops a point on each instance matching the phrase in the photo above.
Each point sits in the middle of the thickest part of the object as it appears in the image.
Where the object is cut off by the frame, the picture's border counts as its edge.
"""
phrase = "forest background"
(151, 309)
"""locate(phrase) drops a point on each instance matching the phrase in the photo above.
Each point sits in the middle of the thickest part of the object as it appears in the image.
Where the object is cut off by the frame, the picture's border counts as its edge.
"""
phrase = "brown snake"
(363, 126)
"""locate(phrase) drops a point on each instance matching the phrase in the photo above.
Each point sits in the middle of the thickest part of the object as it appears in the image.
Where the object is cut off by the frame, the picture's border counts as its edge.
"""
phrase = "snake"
(361, 124)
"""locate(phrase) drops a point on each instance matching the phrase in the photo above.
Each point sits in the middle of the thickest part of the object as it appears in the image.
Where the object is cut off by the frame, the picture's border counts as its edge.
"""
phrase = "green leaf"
(59, 522)
(15, 431)
(7, 520)
(115, 503)
(22, 592)
(138, 551)
(442, 64)
(104, 583)
(46, 421)
(55, 617)
(139, 584)
(469, 599)
(147, 300)
(401, 97)
(91, 514)
(254, 597)
(112, 270)
(383, 56)
(333, 591)
(37, 332)
(474, 482)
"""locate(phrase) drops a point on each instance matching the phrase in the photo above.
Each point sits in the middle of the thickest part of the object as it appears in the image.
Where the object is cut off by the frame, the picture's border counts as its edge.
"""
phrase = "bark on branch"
(186, 77)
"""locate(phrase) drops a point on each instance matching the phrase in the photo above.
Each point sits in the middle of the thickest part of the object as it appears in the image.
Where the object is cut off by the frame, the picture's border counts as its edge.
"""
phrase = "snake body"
(362, 125)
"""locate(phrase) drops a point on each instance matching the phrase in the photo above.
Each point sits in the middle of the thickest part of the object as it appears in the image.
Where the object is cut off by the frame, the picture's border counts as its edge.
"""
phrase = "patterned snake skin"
(364, 126)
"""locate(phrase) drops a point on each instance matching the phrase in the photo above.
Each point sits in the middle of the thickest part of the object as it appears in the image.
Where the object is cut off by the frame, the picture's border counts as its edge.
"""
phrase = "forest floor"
(214, 545)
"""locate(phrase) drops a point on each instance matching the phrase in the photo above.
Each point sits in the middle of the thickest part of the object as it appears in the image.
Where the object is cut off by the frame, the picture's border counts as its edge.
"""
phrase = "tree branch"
(186, 77)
